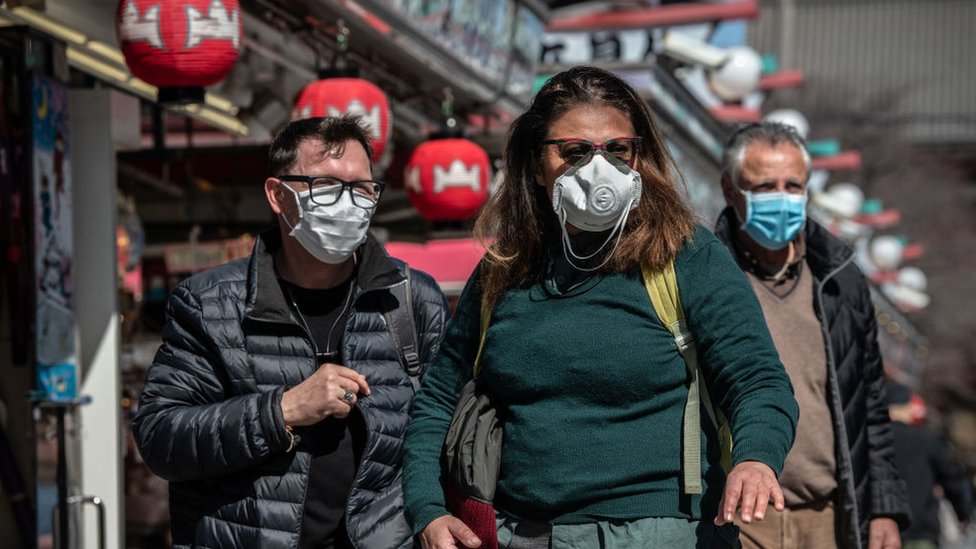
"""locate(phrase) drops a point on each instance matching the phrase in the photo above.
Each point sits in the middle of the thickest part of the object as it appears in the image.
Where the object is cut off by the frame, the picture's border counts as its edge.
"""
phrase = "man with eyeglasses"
(839, 481)
(277, 404)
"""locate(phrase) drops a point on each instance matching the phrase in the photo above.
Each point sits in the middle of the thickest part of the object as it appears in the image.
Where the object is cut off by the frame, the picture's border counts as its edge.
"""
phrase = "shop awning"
(449, 261)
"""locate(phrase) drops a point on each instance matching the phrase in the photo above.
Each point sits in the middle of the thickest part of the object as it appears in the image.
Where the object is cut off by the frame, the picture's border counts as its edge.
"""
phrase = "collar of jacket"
(824, 251)
(265, 300)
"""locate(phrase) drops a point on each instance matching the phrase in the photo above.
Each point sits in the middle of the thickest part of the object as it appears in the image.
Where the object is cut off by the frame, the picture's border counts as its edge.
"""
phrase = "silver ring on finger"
(349, 397)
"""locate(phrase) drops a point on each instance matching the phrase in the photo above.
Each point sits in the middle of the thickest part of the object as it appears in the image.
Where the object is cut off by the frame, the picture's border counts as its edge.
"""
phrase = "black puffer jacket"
(210, 419)
(868, 483)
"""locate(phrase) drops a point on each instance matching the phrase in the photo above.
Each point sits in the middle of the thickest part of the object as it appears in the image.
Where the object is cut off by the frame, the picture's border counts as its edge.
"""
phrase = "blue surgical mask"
(773, 219)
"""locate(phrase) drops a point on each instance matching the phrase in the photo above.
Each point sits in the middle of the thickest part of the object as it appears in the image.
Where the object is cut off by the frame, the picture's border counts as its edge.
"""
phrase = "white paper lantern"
(738, 76)
(841, 199)
(886, 252)
(913, 277)
(790, 117)
(906, 299)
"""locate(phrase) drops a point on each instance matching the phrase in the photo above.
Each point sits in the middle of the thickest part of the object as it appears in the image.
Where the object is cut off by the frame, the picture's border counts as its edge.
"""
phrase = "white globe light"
(886, 252)
(845, 199)
(790, 117)
(913, 277)
(738, 76)
(906, 299)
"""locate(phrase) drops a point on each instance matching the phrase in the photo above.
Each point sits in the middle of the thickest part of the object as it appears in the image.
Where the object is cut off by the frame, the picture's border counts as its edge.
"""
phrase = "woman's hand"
(754, 484)
(448, 532)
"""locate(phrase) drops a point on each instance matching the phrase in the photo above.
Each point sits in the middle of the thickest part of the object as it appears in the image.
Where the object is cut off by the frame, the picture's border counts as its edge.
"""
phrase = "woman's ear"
(540, 180)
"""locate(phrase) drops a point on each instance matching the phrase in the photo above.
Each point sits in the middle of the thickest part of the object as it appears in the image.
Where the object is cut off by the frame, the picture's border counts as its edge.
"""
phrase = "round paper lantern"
(886, 252)
(738, 76)
(913, 277)
(790, 117)
(180, 46)
(447, 179)
(345, 95)
(846, 199)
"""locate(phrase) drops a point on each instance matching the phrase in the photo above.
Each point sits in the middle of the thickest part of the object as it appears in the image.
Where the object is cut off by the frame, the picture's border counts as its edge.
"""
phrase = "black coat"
(210, 419)
(868, 483)
(925, 461)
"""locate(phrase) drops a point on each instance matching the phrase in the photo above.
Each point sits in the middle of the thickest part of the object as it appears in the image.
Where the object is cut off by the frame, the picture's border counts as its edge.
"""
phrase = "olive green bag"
(472, 449)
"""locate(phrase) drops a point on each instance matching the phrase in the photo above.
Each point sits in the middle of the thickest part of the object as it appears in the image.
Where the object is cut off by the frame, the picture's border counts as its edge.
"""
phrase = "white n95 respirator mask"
(594, 196)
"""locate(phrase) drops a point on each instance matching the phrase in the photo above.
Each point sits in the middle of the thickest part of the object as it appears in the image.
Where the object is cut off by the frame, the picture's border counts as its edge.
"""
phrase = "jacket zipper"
(315, 365)
(362, 458)
(315, 352)
(835, 396)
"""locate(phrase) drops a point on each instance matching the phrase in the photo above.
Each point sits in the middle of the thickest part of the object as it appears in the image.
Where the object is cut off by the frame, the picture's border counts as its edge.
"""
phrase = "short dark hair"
(333, 131)
(767, 133)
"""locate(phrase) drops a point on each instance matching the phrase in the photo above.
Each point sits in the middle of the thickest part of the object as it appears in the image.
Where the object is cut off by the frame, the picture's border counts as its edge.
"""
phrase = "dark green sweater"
(592, 389)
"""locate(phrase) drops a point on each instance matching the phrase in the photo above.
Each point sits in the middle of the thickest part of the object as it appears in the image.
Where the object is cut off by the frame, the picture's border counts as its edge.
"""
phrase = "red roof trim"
(844, 160)
(672, 14)
(735, 113)
(782, 79)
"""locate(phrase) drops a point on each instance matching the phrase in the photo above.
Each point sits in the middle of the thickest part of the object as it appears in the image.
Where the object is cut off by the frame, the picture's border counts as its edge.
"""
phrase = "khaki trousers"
(795, 528)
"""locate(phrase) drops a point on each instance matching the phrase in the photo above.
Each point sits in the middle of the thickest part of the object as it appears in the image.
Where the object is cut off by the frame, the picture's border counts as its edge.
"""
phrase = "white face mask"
(595, 196)
(330, 233)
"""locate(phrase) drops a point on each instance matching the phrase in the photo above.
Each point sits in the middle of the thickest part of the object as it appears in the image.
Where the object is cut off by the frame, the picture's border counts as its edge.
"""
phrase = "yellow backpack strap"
(662, 287)
(485, 319)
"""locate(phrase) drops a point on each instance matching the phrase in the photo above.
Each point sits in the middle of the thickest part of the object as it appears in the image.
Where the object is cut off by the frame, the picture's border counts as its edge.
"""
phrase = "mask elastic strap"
(743, 218)
(298, 206)
(568, 248)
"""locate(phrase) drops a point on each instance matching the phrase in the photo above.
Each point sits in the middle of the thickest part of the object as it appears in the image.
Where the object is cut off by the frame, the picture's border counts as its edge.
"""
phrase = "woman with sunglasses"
(589, 384)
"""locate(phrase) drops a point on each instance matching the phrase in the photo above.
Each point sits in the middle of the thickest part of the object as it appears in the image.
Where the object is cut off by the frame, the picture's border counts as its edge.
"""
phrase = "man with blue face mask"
(839, 481)
(277, 404)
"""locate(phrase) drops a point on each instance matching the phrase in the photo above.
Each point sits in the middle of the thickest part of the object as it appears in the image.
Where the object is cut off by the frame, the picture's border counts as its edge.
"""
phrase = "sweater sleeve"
(434, 407)
(739, 362)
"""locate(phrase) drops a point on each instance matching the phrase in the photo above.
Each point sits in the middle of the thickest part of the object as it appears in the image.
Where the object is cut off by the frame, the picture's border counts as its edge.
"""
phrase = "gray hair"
(768, 133)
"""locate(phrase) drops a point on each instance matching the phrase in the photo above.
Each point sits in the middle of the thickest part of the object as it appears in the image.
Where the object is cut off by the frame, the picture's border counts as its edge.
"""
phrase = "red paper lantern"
(447, 179)
(340, 96)
(181, 46)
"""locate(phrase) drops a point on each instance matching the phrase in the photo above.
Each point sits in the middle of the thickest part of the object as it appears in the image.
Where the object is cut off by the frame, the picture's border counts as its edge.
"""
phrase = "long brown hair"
(518, 226)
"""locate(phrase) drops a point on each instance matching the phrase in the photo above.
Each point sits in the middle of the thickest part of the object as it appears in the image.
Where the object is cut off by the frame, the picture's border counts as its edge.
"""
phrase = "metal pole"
(100, 507)
(64, 534)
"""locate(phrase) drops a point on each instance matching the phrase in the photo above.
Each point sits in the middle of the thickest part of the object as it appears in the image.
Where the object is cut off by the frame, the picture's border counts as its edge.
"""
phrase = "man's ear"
(272, 192)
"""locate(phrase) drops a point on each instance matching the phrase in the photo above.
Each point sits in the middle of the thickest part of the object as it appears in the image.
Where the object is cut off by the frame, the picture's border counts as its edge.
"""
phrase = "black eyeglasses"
(573, 150)
(325, 190)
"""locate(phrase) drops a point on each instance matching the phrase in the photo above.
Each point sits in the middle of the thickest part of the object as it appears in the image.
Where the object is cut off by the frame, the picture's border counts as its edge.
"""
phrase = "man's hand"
(320, 396)
(883, 534)
(753, 483)
(445, 533)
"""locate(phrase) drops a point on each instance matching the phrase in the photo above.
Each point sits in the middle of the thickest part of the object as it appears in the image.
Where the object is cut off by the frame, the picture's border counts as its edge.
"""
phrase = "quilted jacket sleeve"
(186, 427)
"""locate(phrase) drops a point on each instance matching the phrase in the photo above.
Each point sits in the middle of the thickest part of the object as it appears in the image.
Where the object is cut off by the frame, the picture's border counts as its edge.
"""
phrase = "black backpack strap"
(403, 329)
